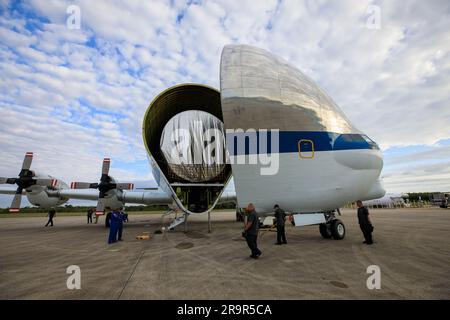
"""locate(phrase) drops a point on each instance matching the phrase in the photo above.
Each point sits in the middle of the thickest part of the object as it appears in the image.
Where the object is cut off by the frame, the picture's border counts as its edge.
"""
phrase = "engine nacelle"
(38, 196)
(41, 199)
(113, 198)
(185, 140)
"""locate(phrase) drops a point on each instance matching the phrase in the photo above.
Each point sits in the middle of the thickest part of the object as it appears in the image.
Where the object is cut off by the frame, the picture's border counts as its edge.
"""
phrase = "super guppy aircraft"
(282, 139)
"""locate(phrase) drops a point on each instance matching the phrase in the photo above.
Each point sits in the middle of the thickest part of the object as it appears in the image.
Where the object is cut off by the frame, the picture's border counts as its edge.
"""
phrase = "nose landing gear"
(333, 228)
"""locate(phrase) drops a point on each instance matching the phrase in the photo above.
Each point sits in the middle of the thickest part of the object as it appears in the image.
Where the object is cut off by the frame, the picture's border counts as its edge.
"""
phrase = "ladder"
(177, 221)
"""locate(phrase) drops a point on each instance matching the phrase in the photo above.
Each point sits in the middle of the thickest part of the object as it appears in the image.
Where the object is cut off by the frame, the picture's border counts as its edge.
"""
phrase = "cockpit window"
(371, 143)
(354, 140)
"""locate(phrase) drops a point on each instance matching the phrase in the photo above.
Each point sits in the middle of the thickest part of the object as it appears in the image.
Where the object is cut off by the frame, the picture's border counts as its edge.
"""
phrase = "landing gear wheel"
(325, 231)
(337, 229)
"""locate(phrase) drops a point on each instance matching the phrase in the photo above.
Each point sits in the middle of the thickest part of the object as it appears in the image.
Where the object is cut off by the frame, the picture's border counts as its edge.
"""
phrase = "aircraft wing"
(50, 198)
(9, 191)
(128, 197)
(49, 192)
(153, 196)
(131, 197)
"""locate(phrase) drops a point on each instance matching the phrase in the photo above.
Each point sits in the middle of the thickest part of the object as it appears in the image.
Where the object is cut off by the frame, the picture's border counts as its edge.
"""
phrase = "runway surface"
(412, 250)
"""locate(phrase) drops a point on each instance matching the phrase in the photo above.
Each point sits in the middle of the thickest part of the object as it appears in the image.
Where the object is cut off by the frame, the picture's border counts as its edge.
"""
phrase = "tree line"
(71, 208)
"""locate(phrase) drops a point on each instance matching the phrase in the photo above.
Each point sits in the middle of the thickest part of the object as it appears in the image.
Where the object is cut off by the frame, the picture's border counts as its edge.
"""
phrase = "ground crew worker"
(51, 214)
(444, 203)
(280, 218)
(89, 215)
(122, 218)
(364, 222)
(251, 231)
(113, 226)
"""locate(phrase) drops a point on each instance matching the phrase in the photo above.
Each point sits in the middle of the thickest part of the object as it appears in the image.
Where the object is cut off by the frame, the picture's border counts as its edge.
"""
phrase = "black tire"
(337, 229)
(325, 231)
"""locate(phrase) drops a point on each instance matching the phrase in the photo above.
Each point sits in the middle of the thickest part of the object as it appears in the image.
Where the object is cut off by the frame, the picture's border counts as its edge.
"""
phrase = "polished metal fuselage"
(261, 91)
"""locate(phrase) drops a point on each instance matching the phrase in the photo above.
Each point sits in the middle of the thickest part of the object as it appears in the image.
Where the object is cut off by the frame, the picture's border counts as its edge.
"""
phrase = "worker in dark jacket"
(113, 226)
(89, 215)
(364, 222)
(280, 219)
(122, 218)
(108, 219)
(51, 214)
(251, 231)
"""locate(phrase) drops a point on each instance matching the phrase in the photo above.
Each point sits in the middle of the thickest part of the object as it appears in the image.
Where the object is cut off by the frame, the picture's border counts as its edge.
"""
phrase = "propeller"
(25, 180)
(106, 184)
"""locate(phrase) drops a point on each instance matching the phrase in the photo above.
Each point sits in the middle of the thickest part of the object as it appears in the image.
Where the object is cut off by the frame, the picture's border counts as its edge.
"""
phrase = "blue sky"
(75, 96)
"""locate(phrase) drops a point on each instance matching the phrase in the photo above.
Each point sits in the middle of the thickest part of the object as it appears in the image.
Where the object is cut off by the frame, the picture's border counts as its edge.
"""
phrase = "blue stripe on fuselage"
(289, 142)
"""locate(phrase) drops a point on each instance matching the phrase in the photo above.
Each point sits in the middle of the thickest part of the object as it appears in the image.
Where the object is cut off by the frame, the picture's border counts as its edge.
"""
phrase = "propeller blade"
(15, 204)
(27, 161)
(125, 186)
(3, 180)
(83, 185)
(100, 206)
(47, 182)
(105, 166)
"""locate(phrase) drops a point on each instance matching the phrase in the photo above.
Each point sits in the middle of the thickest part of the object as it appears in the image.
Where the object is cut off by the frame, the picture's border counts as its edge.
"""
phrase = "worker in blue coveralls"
(122, 218)
(114, 226)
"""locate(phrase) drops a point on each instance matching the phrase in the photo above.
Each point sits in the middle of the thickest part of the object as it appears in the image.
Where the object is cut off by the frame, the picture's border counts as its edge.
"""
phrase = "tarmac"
(412, 250)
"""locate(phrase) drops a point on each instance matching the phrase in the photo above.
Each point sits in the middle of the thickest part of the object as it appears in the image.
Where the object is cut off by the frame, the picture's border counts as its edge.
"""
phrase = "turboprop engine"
(39, 196)
(36, 186)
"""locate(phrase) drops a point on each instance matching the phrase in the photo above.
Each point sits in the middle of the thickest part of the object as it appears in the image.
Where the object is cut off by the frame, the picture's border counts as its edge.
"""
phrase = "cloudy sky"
(73, 96)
